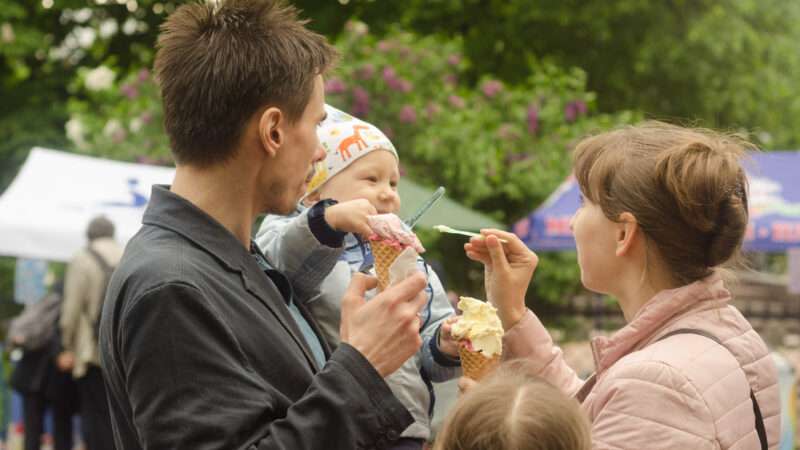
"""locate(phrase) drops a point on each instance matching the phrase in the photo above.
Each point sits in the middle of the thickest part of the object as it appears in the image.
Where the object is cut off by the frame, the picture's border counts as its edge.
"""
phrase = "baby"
(327, 240)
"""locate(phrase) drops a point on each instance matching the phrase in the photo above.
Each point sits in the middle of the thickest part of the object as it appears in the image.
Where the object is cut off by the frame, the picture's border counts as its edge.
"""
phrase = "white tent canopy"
(45, 210)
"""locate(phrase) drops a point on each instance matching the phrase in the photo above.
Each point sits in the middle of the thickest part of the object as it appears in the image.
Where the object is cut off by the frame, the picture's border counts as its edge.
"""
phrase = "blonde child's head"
(514, 410)
(360, 163)
(685, 189)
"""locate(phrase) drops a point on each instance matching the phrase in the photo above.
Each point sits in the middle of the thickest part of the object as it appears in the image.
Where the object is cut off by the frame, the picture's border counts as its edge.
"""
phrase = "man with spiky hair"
(204, 344)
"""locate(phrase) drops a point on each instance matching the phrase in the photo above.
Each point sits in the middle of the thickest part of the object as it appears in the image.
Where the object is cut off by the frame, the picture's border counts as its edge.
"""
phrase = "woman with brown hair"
(514, 409)
(664, 207)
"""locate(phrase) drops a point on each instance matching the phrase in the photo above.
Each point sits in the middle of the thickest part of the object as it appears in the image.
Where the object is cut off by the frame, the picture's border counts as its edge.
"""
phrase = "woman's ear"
(270, 130)
(628, 232)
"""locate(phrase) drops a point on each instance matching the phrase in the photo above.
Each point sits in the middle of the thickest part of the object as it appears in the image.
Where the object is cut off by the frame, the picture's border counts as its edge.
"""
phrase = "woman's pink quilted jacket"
(684, 392)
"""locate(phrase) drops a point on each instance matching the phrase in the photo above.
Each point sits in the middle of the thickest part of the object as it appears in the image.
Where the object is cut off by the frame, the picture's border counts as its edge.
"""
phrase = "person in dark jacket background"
(37, 378)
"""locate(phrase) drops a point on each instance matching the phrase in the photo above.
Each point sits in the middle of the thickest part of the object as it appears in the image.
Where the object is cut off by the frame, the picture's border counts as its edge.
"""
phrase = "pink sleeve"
(529, 339)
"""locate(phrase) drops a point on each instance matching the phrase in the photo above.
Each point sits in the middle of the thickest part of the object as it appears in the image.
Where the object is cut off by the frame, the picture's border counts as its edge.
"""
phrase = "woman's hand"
(508, 269)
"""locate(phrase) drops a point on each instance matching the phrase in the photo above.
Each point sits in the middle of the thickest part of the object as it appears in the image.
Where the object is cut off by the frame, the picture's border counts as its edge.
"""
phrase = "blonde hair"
(513, 409)
(685, 187)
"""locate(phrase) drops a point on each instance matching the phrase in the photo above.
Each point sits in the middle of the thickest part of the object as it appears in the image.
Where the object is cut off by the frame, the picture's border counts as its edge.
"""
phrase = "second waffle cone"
(475, 365)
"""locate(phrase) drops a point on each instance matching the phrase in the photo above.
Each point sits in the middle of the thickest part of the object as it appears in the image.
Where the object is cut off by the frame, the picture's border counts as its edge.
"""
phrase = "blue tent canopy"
(774, 199)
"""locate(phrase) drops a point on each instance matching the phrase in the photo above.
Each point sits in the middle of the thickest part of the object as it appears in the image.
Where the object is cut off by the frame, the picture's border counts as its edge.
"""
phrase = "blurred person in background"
(35, 375)
(84, 291)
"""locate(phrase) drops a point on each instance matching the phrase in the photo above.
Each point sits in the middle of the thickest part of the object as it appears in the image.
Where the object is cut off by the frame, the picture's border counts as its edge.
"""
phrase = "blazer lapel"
(262, 288)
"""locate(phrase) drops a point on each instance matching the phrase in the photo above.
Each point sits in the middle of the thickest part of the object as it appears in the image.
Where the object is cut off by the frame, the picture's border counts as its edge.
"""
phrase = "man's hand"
(447, 343)
(65, 361)
(508, 269)
(351, 216)
(386, 329)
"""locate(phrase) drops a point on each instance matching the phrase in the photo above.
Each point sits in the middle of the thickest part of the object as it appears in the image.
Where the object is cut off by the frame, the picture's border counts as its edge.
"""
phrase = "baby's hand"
(465, 384)
(351, 216)
(447, 343)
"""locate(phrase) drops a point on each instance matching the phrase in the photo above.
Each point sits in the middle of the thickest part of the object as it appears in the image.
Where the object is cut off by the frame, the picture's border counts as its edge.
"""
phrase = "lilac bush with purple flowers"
(500, 149)
(123, 120)
(490, 88)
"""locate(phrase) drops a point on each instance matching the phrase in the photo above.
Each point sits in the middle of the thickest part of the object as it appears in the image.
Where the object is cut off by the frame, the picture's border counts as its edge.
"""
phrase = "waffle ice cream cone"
(480, 335)
(475, 365)
(384, 255)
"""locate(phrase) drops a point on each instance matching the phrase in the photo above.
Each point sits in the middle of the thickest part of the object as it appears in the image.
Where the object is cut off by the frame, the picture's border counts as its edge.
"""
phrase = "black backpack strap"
(104, 265)
(107, 271)
(587, 387)
(760, 429)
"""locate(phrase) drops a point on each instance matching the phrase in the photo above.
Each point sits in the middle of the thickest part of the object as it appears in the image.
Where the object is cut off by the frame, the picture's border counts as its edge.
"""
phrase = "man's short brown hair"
(219, 62)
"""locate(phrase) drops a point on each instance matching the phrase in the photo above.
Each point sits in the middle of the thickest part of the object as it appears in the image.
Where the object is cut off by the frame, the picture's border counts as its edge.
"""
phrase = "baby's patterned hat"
(345, 139)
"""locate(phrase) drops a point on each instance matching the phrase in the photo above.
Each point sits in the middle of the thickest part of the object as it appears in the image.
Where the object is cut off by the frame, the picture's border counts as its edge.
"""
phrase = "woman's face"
(595, 239)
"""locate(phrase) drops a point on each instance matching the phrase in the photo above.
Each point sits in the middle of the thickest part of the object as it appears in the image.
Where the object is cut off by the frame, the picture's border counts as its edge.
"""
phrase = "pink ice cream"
(390, 229)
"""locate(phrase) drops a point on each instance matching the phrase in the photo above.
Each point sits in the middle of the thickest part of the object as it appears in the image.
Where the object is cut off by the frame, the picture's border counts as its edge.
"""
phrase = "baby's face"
(372, 177)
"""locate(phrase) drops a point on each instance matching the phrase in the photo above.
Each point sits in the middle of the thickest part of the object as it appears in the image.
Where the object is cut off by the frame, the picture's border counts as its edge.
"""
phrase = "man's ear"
(628, 232)
(270, 130)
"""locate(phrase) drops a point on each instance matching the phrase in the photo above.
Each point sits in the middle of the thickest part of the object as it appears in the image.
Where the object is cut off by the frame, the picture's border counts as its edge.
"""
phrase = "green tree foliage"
(27, 116)
(117, 118)
(43, 52)
(722, 63)
(483, 96)
(43, 48)
(498, 148)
